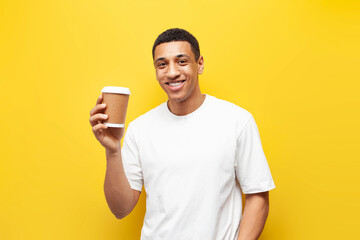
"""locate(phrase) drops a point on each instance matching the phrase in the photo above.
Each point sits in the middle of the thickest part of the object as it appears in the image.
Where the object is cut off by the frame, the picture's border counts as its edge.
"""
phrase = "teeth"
(175, 84)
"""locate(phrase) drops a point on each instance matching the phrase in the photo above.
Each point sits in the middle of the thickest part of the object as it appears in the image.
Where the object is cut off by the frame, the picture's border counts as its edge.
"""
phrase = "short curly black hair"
(178, 34)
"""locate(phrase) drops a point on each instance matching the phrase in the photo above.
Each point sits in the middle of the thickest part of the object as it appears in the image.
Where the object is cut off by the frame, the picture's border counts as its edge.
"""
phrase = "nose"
(173, 72)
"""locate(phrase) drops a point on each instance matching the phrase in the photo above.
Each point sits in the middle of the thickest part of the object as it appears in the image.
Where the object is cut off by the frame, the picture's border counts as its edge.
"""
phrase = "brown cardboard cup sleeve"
(116, 100)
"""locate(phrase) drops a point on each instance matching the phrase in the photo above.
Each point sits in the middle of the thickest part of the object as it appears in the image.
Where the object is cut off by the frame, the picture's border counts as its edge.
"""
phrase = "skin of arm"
(120, 197)
(254, 217)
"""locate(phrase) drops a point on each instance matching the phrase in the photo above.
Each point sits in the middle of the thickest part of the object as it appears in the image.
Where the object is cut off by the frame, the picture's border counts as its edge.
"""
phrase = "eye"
(182, 61)
(161, 65)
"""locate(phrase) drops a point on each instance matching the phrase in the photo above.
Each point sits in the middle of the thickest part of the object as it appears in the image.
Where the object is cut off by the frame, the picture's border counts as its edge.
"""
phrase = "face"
(177, 70)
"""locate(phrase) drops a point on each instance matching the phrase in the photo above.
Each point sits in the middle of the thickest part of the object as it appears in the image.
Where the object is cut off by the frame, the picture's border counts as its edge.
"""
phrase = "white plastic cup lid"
(119, 90)
(117, 125)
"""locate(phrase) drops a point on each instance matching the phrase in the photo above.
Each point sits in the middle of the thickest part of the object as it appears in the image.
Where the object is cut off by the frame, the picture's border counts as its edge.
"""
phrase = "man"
(194, 155)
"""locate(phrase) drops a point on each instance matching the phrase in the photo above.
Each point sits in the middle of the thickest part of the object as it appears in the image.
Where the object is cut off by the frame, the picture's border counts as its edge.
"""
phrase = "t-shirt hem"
(258, 189)
(135, 186)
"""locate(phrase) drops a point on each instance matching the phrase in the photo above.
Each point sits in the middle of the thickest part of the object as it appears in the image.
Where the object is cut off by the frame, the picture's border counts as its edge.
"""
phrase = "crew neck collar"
(199, 109)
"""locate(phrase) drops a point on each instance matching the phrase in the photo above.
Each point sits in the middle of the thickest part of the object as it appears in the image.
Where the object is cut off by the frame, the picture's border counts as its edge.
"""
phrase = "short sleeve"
(251, 166)
(131, 161)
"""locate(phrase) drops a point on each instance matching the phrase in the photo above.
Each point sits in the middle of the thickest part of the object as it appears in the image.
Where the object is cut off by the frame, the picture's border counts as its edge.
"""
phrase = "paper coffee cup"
(116, 99)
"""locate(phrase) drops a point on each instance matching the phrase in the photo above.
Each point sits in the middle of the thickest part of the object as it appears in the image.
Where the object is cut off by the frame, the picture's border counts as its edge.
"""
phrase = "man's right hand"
(108, 137)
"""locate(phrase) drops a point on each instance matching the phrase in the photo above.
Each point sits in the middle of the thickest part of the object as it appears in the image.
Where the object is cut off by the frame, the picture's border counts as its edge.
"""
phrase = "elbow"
(120, 215)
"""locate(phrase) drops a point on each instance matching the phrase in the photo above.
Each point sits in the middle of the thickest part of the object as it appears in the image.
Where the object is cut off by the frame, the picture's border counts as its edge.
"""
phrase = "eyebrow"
(159, 59)
(178, 56)
(182, 55)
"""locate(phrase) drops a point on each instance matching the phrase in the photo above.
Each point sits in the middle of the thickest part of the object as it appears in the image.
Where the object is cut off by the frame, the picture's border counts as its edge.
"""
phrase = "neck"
(187, 106)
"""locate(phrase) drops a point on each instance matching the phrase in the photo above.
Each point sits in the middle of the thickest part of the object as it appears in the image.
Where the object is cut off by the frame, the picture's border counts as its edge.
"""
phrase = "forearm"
(118, 193)
(253, 220)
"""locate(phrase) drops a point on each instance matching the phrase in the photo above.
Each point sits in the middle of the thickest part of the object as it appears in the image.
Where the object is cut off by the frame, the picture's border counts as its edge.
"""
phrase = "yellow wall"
(293, 64)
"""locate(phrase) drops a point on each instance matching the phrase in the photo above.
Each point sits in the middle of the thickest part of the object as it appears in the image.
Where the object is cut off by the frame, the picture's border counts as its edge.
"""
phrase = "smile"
(175, 86)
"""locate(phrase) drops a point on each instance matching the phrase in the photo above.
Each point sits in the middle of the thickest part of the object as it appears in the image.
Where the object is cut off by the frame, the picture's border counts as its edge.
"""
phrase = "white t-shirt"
(193, 168)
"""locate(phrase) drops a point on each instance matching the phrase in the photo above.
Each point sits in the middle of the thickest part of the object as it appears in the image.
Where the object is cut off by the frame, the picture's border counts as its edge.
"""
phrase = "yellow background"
(293, 64)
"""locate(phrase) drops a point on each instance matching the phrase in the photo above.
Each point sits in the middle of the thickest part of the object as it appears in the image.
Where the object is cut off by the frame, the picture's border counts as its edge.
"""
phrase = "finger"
(99, 100)
(97, 118)
(98, 108)
(100, 126)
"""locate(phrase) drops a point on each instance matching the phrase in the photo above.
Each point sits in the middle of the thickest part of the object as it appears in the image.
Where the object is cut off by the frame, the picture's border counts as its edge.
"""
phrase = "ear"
(200, 65)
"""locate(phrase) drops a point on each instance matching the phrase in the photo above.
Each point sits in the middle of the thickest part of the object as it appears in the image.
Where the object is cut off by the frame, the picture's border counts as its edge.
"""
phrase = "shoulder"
(148, 118)
(229, 109)
(230, 115)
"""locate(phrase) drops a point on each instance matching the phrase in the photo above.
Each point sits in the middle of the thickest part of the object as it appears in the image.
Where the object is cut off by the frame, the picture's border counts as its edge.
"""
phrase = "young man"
(194, 155)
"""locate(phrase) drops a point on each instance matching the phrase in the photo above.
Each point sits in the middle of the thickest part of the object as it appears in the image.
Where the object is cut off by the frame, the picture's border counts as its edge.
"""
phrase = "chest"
(188, 150)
